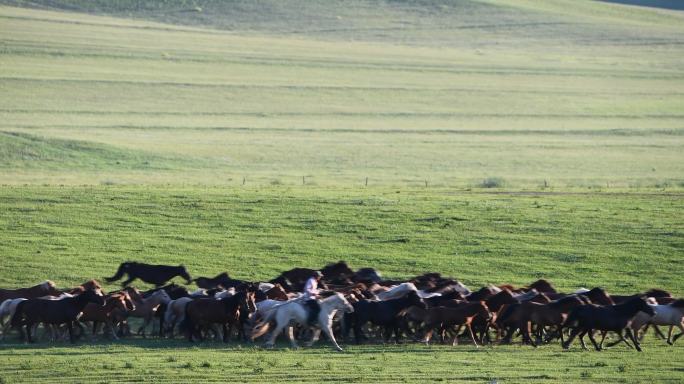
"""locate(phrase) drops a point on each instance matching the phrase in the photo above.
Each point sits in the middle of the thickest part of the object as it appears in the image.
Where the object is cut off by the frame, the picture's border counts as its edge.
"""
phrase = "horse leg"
(573, 334)
(141, 330)
(630, 334)
(290, 335)
(581, 338)
(593, 341)
(681, 328)
(329, 334)
(454, 342)
(314, 337)
(95, 326)
(29, 326)
(603, 338)
(274, 334)
(128, 281)
(70, 327)
(428, 334)
(658, 331)
(110, 326)
(472, 337)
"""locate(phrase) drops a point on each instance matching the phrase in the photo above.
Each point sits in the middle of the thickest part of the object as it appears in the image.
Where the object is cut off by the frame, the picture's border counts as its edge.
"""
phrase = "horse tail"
(123, 268)
(264, 325)
(18, 316)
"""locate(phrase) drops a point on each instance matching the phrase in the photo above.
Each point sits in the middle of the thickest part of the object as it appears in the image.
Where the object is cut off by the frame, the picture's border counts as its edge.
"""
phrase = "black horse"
(382, 313)
(221, 280)
(64, 311)
(587, 318)
(153, 274)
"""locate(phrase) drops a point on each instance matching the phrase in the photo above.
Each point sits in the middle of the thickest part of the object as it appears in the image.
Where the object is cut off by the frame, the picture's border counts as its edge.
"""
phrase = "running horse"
(153, 274)
(296, 311)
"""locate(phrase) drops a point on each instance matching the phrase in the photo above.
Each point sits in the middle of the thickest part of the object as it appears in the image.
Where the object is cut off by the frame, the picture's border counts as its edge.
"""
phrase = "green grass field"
(239, 136)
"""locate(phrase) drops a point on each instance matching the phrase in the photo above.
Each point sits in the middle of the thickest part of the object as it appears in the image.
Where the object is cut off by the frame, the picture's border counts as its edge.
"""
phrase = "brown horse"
(202, 313)
(98, 314)
(46, 288)
(444, 317)
(542, 285)
(277, 293)
(546, 315)
(92, 285)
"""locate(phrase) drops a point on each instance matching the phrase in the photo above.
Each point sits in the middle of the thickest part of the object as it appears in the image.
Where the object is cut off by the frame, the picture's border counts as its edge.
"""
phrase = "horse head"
(94, 296)
(643, 306)
(182, 272)
(340, 303)
(415, 300)
(49, 288)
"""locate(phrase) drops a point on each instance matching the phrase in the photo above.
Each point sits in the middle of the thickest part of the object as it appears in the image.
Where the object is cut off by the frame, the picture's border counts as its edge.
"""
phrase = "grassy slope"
(578, 94)
(582, 99)
(623, 242)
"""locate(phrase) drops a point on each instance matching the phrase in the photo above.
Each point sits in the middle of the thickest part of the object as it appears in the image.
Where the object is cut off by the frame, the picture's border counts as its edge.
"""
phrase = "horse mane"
(564, 300)
(656, 292)
(679, 303)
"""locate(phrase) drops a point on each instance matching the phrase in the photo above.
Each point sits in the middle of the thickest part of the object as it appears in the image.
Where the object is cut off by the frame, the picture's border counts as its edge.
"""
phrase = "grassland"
(578, 99)
(626, 242)
(179, 132)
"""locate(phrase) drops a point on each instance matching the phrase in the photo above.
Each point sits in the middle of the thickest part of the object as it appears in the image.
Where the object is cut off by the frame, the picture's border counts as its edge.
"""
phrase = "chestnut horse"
(46, 288)
(202, 313)
(444, 317)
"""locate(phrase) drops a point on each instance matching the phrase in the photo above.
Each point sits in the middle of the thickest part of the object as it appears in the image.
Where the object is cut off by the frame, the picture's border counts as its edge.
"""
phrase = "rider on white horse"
(311, 294)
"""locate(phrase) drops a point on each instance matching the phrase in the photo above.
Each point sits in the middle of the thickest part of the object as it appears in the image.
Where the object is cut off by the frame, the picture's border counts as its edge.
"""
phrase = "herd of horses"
(359, 302)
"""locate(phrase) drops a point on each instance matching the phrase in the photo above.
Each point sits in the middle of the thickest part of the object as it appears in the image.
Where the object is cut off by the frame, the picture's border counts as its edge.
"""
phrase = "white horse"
(265, 287)
(175, 313)
(7, 309)
(397, 291)
(671, 314)
(224, 294)
(295, 311)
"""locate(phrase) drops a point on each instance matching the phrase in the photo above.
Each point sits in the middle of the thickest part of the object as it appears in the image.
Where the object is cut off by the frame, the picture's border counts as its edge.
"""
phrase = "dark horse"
(616, 318)
(383, 313)
(221, 280)
(64, 311)
(202, 313)
(153, 274)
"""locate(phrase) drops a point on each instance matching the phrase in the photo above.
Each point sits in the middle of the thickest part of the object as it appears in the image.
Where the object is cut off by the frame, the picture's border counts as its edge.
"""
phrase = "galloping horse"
(55, 312)
(616, 318)
(221, 280)
(295, 310)
(671, 314)
(46, 288)
(153, 274)
(202, 313)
